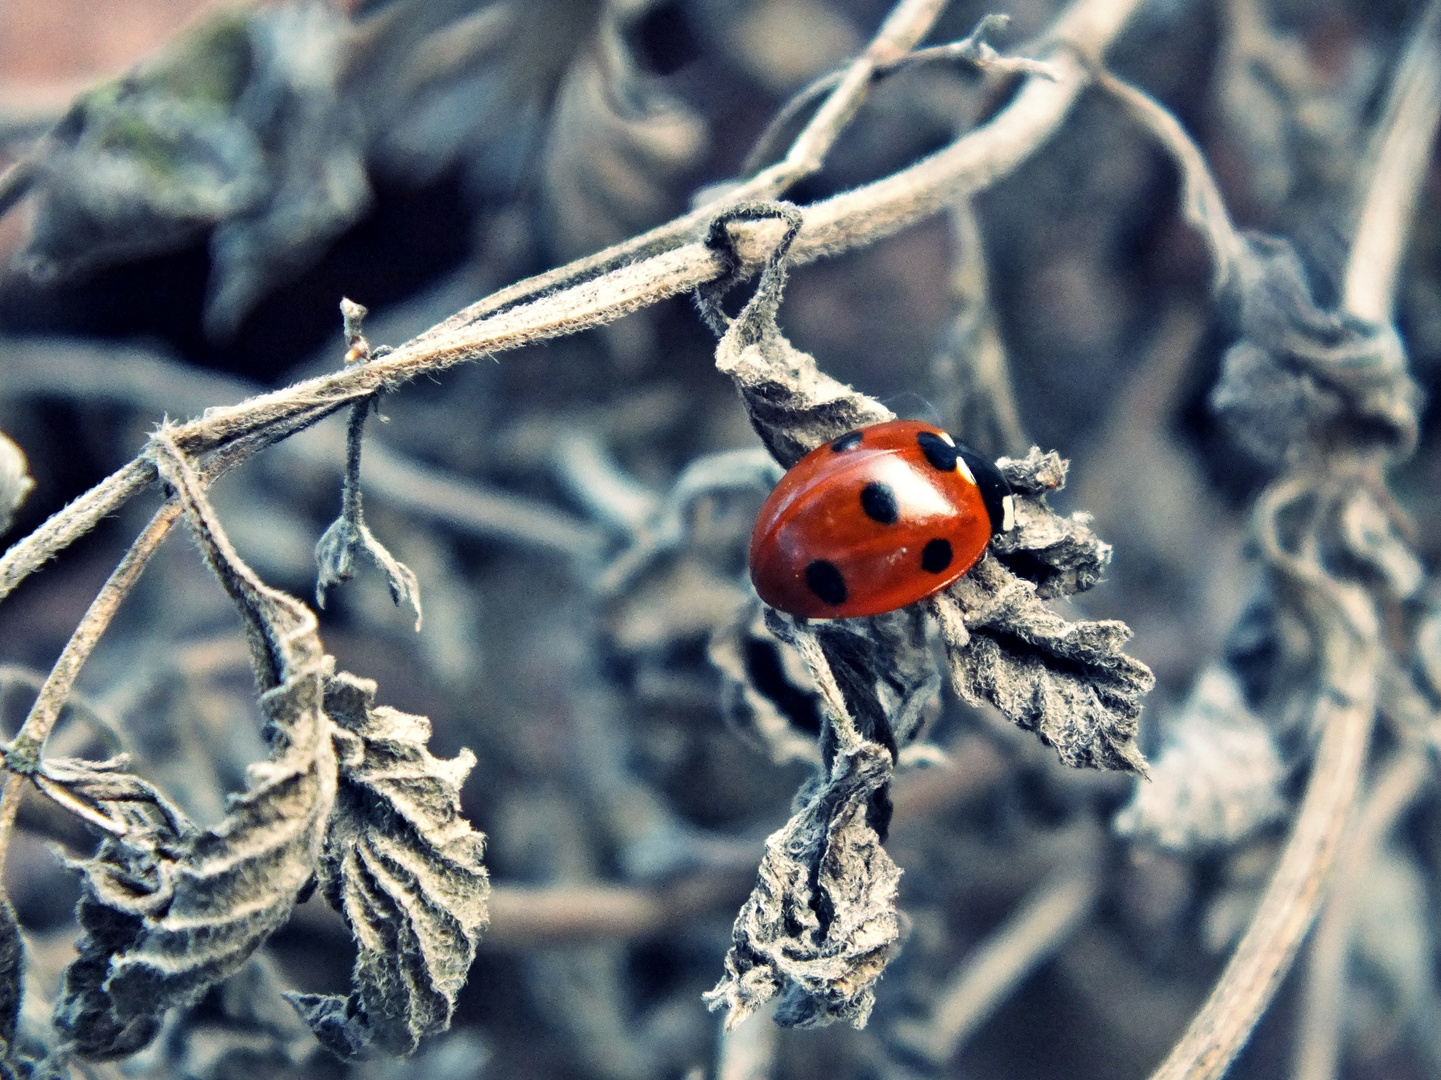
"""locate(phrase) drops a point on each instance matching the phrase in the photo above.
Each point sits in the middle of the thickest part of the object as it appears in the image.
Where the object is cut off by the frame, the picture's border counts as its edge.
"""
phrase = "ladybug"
(875, 520)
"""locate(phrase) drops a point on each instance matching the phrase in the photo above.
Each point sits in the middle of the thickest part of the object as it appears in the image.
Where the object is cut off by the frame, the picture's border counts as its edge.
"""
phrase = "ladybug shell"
(875, 520)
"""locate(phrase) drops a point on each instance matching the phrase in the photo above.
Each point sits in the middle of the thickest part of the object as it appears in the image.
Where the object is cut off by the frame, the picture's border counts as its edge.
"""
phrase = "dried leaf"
(821, 924)
(1062, 555)
(1068, 682)
(1219, 779)
(315, 182)
(792, 404)
(404, 868)
(766, 694)
(226, 129)
(169, 910)
(1302, 378)
(617, 147)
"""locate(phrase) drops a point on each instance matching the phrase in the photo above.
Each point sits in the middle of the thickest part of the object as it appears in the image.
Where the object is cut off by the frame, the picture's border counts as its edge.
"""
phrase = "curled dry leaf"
(1062, 555)
(617, 146)
(168, 909)
(827, 861)
(766, 694)
(1068, 682)
(1301, 378)
(1218, 780)
(404, 869)
(821, 923)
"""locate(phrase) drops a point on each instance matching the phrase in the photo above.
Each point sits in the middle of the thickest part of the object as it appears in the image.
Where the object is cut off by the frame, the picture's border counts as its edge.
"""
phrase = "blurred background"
(213, 178)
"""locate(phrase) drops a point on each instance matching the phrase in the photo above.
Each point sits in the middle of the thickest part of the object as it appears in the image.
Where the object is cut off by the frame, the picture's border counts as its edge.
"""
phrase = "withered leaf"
(1062, 555)
(618, 143)
(821, 923)
(404, 869)
(168, 909)
(1219, 778)
(1068, 682)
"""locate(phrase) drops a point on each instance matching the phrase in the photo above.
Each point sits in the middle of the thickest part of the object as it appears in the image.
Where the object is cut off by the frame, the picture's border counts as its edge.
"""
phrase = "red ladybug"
(875, 520)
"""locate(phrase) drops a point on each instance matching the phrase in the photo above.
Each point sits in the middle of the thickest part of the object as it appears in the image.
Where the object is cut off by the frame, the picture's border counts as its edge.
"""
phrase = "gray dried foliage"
(405, 870)
(15, 481)
(225, 132)
(169, 909)
(1218, 779)
(617, 143)
(1301, 379)
(821, 924)
(350, 794)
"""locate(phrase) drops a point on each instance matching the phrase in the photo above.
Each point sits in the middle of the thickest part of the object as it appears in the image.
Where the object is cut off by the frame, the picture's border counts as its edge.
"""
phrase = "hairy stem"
(23, 753)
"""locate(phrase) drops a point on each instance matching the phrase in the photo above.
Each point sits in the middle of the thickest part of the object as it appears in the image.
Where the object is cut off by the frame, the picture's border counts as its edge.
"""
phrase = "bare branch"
(1401, 153)
(1032, 932)
(1321, 1026)
(23, 753)
(1344, 623)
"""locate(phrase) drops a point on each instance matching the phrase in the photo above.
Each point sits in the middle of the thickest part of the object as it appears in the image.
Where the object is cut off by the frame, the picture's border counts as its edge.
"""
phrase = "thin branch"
(23, 753)
(66, 526)
(148, 383)
(1345, 708)
(1032, 933)
(903, 29)
(1246, 987)
(1201, 198)
(1401, 156)
(1319, 1032)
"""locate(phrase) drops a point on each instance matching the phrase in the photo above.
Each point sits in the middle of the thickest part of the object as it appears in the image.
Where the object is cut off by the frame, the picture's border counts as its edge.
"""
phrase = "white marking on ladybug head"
(945, 438)
(1008, 513)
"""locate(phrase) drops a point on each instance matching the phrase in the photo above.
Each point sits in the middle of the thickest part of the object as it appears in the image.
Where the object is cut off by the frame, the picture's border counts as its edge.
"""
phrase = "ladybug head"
(995, 491)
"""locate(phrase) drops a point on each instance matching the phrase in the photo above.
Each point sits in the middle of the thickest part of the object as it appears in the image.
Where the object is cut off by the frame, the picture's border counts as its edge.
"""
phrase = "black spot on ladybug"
(879, 503)
(825, 580)
(849, 441)
(941, 454)
(935, 556)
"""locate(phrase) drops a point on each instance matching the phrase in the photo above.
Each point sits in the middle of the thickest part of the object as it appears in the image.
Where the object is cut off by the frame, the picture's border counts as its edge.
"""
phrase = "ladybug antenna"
(734, 269)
